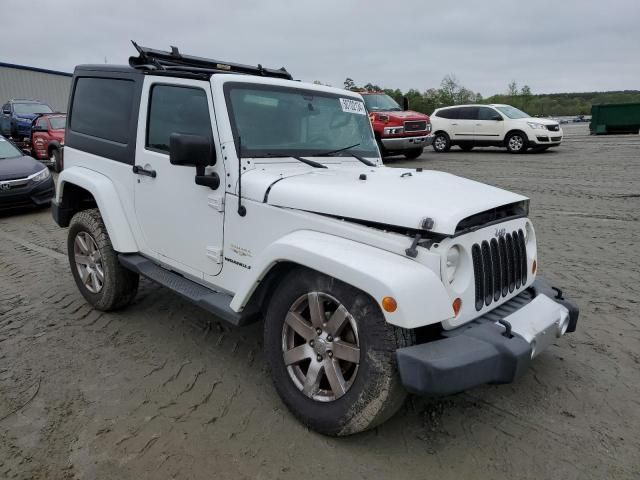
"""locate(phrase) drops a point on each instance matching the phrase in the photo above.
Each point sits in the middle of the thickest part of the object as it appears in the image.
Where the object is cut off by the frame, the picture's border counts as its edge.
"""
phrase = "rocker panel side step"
(213, 302)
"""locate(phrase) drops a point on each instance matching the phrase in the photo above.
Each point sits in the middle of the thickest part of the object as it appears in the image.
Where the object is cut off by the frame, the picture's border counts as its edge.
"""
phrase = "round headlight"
(453, 260)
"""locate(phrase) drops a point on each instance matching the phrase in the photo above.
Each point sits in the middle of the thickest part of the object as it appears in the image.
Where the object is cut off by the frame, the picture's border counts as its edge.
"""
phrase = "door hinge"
(215, 254)
(216, 202)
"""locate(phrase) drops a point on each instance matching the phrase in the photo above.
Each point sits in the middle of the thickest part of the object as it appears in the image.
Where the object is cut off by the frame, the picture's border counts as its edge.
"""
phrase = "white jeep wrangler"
(261, 198)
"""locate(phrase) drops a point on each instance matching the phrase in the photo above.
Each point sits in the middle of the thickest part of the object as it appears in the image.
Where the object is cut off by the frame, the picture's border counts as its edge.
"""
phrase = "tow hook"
(507, 328)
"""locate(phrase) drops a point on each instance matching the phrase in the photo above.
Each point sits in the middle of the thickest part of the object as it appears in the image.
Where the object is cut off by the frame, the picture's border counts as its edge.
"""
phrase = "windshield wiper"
(310, 162)
(364, 160)
(300, 159)
(331, 152)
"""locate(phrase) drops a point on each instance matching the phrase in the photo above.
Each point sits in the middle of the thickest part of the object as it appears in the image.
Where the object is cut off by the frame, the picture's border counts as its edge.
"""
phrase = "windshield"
(513, 112)
(57, 123)
(381, 102)
(29, 108)
(7, 150)
(283, 121)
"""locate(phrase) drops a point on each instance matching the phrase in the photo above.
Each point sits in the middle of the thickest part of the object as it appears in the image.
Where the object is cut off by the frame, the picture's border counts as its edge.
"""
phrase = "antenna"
(242, 210)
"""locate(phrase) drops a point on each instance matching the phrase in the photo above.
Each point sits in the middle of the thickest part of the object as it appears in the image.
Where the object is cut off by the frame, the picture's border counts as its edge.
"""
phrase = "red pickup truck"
(399, 131)
(47, 139)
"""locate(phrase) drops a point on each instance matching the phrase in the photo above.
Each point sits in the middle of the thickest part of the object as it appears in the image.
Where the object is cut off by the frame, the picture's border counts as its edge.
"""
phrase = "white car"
(469, 126)
(260, 198)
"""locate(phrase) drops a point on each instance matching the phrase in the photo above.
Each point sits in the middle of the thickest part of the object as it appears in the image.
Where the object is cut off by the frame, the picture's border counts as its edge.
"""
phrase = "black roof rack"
(158, 60)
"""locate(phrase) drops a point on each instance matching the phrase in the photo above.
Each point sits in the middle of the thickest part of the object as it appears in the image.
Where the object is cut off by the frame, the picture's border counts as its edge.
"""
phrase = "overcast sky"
(551, 45)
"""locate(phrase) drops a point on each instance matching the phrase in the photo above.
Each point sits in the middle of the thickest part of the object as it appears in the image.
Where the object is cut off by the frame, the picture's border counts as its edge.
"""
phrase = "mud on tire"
(375, 393)
(119, 286)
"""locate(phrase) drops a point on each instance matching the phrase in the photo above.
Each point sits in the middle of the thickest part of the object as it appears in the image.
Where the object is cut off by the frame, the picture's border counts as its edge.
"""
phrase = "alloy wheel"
(88, 260)
(320, 346)
(440, 142)
(516, 142)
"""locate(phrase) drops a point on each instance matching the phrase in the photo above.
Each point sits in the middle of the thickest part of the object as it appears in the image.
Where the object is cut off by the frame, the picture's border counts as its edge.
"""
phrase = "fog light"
(389, 304)
(457, 305)
(534, 267)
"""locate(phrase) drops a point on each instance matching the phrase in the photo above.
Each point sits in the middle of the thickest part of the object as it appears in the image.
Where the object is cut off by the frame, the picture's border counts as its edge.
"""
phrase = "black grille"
(499, 267)
(553, 128)
(556, 139)
(415, 126)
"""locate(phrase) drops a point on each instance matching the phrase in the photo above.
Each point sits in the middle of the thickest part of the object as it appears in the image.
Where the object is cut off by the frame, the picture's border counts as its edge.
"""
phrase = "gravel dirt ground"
(162, 390)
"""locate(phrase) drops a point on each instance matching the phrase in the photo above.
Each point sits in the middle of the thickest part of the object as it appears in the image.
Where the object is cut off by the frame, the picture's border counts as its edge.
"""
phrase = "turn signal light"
(457, 305)
(389, 304)
(534, 267)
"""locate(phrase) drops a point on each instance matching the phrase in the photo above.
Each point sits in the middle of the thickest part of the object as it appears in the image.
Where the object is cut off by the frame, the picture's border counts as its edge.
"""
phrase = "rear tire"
(369, 385)
(441, 142)
(413, 154)
(103, 282)
(517, 142)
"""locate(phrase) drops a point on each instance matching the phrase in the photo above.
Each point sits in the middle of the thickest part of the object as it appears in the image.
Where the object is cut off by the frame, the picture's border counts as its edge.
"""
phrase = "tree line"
(451, 92)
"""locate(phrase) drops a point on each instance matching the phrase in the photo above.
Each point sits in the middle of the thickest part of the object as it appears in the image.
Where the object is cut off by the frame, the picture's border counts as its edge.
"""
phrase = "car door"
(489, 127)
(181, 222)
(463, 125)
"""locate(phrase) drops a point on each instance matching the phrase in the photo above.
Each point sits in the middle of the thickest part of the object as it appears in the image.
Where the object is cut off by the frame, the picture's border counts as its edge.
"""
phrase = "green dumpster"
(615, 118)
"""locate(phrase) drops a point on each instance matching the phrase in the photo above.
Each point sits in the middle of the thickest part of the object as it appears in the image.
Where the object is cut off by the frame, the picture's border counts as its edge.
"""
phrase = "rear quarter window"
(102, 108)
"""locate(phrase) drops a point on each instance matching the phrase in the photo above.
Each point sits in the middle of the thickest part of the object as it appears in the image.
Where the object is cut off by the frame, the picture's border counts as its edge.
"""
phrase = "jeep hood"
(388, 196)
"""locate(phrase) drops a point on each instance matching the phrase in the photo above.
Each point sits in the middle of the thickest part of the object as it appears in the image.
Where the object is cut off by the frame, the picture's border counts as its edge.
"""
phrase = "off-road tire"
(413, 153)
(376, 392)
(56, 160)
(512, 145)
(120, 285)
(441, 143)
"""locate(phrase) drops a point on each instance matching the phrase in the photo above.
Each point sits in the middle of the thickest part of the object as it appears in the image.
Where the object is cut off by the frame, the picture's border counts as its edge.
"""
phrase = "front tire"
(413, 154)
(103, 282)
(55, 158)
(332, 354)
(517, 142)
(441, 142)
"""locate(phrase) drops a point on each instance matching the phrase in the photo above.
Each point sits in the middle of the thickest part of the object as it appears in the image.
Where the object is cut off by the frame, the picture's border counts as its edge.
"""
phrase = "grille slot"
(415, 125)
(499, 267)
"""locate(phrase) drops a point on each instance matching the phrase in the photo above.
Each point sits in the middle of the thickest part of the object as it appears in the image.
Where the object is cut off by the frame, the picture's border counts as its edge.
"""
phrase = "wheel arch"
(420, 295)
(81, 189)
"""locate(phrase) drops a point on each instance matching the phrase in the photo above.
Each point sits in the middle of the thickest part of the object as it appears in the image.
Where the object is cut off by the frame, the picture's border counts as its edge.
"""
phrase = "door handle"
(454, 124)
(138, 170)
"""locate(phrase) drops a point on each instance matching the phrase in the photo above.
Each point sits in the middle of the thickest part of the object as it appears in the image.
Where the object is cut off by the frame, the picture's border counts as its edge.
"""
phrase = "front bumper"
(395, 144)
(545, 137)
(28, 194)
(495, 348)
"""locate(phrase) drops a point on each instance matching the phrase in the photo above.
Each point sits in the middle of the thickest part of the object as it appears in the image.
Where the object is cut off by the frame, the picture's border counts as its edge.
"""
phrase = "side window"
(42, 122)
(468, 113)
(449, 113)
(176, 109)
(486, 113)
(102, 108)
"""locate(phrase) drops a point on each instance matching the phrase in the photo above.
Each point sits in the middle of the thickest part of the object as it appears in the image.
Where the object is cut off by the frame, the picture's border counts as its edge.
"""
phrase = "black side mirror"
(195, 151)
(405, 103)
(497, 118)
(38, 128)
(191, 150)
(6, 112)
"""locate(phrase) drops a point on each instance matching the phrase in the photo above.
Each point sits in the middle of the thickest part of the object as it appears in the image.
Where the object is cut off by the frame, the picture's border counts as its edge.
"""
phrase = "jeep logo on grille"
(500, 232)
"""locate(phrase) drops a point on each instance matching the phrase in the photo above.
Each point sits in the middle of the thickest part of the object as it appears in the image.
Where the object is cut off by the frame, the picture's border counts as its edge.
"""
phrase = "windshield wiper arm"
(331, 152)
(310, 162)
(364, 160)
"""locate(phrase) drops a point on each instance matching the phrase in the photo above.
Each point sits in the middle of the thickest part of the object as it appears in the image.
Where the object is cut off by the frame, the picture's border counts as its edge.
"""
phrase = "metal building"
(49, 86)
